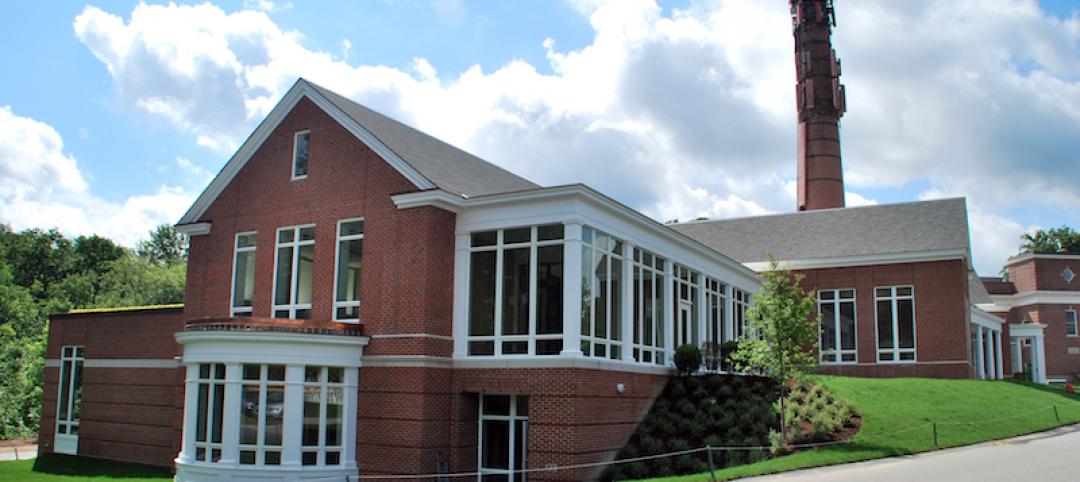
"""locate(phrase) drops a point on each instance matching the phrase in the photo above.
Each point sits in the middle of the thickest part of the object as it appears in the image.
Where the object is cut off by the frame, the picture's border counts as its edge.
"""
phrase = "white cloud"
(42, 186)
(680, 115)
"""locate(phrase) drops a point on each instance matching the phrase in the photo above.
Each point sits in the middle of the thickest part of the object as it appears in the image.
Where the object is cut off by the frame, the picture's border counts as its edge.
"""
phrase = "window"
(648, 307)
(716, 316)
(300, 154)
(504, 430)
(601, 294)
(292, 279)
(516, 291)
(210, 412)
(740, 300)
(70, 393)
(243, 289)
(350, 249)
(837, 310)
(324, 402)
(1070, 322)
(895, 309)
(686, 306)
(262, 410)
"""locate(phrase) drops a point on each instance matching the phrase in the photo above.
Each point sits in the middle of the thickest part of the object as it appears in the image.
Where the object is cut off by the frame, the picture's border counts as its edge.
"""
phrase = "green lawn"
(63, 468)
(897, 415)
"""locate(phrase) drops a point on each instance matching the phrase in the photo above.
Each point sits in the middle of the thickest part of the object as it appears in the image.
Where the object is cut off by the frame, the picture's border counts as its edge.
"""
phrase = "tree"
(1054, 240)
(783, 332)
(166, 246)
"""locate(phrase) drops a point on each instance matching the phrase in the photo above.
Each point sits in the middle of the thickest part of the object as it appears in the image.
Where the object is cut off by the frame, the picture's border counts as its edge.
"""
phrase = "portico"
(986, 345)
(1030, 336)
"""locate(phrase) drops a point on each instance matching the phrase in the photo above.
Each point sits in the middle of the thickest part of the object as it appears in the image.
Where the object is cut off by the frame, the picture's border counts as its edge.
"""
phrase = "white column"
(1017, 354)
(191, 402)
(1040, 358)
(1000, 368)
(669, 311)
(348, 419)
(729, 314)
(461, 296)
(230, 420)
(294, 416)
(980, 364)
(628, 305)
(572, 290)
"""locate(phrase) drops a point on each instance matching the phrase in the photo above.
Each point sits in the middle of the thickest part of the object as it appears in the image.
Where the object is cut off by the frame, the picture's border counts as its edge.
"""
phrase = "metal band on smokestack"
(820, 100)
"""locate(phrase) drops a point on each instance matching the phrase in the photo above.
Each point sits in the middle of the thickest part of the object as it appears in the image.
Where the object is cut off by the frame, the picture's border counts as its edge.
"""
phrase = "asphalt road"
(1045, 456)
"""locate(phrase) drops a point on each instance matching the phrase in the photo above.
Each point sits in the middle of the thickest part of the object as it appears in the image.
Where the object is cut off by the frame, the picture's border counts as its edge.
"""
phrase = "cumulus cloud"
(42, 186)
(683, 114)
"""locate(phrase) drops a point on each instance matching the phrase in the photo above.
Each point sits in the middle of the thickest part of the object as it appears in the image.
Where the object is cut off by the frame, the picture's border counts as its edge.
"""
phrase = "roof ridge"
(822, 211)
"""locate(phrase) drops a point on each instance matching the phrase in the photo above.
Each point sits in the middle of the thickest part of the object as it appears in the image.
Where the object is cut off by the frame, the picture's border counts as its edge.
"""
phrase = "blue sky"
(679, 109)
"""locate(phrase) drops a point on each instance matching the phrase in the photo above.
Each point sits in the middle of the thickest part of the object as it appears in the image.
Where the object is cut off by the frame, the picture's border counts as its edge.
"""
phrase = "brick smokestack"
(820, 100)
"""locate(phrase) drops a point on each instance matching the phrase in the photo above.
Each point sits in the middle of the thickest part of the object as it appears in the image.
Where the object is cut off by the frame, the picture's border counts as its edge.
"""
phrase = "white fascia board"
(298, 91)
(1048, 297)
(1026, 329)
(195, 229)
(983, 318)
(579, 203)
(865, 260)
(271, 347)
(992, 308)
(1020, 258)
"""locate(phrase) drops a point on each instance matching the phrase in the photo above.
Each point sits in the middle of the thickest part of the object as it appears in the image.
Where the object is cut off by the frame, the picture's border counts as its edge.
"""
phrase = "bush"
(687, 359)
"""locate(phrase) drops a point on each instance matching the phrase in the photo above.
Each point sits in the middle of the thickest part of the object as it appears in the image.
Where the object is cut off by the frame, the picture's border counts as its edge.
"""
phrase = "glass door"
(69, 399)
(503, 437)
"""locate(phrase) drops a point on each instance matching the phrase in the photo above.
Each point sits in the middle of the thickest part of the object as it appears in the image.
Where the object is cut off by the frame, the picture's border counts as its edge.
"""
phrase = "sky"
(114, 116)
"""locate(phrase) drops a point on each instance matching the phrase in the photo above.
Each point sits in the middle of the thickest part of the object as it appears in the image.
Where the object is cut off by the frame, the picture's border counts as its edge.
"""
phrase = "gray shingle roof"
(447, 167)
(977, 293)
(838, 233)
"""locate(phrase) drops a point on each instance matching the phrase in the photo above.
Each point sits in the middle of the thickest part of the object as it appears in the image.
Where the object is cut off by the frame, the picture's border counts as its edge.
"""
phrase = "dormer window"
(300, 155)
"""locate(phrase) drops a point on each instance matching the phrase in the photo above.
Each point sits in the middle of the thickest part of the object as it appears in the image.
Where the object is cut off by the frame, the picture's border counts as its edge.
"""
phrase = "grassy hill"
(899, 417)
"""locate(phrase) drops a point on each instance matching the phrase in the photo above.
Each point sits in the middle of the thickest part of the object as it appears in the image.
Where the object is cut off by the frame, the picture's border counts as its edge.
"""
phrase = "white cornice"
(1037, 297)
(195, 229)
(299, 90)
(864, 260)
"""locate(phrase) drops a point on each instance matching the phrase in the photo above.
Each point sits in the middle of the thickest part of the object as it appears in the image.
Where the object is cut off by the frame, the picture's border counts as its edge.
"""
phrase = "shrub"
(687, 359)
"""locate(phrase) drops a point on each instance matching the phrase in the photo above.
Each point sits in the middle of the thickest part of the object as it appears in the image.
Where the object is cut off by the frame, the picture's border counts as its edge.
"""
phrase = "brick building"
(365, 299)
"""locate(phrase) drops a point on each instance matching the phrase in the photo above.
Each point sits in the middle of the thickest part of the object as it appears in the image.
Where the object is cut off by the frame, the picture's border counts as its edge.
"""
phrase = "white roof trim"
(985, 319)
(298, 91)
(865, 260)
(1037, 297)
(1029, 255)
(195, 229)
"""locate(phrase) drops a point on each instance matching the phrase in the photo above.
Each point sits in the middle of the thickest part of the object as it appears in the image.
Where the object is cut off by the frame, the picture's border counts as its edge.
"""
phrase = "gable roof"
(867, 232)
(422, 159)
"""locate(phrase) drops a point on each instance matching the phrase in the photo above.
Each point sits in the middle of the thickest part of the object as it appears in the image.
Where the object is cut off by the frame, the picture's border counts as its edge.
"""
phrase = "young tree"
(166, 246)
(782, 341)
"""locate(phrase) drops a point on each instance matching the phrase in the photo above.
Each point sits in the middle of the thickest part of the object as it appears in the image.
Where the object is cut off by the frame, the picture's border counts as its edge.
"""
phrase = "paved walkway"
(1045, 456)
(18, 453)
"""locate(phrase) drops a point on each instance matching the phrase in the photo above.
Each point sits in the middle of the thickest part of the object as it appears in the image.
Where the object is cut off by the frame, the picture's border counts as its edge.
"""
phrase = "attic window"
(300, 155)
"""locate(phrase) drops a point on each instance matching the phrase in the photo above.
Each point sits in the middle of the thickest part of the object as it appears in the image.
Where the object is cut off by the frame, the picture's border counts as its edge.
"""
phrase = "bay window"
(895, 310)
(687, 295)
(601, 294)
(716, 311)
(516, 291)
(350, 248)
(293, 273)
(324, 401)
(837, 310)
(243, 289)
(209, 412)
(648, 307)
(262, 410)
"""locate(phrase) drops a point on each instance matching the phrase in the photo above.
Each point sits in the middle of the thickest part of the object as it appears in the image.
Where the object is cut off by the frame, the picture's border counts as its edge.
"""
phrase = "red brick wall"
(1059, 362)
(407, 280)
(941, 316)
(127, 414)
(1039, 273)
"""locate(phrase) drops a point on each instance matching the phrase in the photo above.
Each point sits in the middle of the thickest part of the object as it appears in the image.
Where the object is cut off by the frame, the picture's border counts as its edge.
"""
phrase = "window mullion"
(533, 275)
(499, 252)
(320, 457)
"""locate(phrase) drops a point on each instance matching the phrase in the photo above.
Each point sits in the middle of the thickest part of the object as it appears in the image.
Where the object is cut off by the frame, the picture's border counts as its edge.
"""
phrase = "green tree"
(22, 342)
(135, 281)
(166, 246)
(1053, 240)
(782, 341)
(37, 258)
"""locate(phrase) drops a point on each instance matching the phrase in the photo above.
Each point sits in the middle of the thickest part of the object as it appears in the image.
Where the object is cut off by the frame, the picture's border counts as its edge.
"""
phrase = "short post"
(712, 468)
(1056, 414)
(936, 445)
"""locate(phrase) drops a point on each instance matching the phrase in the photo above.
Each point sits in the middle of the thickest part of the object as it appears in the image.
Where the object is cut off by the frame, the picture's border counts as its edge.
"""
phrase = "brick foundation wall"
(127, 414)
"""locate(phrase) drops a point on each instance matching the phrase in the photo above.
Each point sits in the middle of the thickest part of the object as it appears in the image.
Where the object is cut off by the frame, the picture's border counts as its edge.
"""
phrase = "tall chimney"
(820, 99)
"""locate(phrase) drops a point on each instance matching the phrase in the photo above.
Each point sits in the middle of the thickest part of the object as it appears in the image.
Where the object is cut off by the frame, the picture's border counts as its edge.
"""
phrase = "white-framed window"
(1070, 322)
(515, 301)
(503, 437)
(350, 250)
(262, 413)
(70, 390)
(716, 311)
(324, 403)
(648, 307)
(687, 296)
(837, 310)
(293, 271)
(895, 317)
(243, 288)
(740, 301)
(301, 142)
(601, 294)
(210, 412)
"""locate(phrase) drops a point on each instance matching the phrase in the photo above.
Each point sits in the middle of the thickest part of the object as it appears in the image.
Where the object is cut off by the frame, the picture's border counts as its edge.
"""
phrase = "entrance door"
(684, 325)
(69, 398)
(503, 437)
